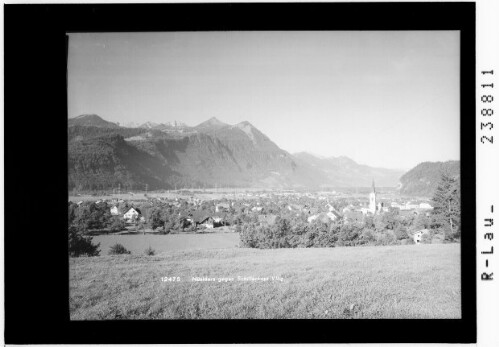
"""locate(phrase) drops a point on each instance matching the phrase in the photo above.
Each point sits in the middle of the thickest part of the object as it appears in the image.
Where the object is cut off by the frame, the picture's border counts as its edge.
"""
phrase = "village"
(224, 211)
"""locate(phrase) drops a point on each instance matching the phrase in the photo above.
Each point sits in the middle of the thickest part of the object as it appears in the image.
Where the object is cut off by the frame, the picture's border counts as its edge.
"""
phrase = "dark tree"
(91, 215)
(81, 245)
(446, 214)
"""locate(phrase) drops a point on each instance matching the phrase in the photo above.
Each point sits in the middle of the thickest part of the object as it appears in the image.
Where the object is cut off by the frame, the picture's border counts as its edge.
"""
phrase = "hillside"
(344, 172)
(423, 179)
(105, 162)
(211, 154)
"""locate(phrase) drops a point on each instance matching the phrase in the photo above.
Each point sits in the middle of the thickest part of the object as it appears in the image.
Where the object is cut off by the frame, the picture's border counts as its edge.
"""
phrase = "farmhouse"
(334, 215)
(418, 235)
(203, 219)
(218, 221)
(115, 211)
(323, 217)
(222, 207)
(364, 210)
(185, 222)
(133, 214)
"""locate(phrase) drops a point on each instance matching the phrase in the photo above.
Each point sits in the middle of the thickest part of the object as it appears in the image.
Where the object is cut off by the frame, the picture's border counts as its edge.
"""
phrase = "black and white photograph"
(264, 175)
(249, 173)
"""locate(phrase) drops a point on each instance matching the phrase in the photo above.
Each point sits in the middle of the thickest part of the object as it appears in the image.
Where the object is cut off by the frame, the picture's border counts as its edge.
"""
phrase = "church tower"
(372, 200)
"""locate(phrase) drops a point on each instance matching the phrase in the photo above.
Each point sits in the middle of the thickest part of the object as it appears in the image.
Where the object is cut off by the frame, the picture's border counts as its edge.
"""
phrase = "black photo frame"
(36, 257)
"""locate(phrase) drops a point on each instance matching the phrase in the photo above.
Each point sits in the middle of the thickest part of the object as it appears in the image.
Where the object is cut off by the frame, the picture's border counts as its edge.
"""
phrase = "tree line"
(443, 224)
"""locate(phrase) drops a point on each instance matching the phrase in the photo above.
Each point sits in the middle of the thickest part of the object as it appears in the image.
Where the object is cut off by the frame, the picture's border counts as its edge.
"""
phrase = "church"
(374, 206)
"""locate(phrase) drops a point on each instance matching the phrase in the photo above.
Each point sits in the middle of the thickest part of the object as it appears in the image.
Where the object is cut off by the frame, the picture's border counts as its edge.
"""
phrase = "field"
(352, 282)
(167, 243)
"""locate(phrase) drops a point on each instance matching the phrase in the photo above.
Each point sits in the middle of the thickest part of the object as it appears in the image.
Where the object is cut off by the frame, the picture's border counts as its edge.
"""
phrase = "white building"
(115, 211)
(132, 214)
(418, 235)
(333, 215)
(425, 205)
(365, 210)
(324, 217)
(222, 207)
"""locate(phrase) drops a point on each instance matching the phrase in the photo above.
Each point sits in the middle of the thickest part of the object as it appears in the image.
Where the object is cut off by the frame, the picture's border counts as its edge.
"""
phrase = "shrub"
(117, 224)
(426, 238)
(81, 245)
(118, 249)
(168, 227)
(149, 251)
(401, 233)
(386, 238)
(91, 215)
(437, 238)
(368, 236)
(349, 235)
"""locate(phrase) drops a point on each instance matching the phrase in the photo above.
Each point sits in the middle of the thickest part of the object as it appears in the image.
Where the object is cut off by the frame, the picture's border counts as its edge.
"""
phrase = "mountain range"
(103, 155)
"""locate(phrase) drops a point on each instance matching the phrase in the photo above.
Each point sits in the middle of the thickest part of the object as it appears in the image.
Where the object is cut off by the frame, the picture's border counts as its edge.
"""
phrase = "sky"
(383, 98)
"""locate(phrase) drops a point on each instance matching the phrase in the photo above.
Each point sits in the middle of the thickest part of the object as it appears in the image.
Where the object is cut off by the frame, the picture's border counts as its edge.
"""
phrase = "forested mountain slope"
(423, 179)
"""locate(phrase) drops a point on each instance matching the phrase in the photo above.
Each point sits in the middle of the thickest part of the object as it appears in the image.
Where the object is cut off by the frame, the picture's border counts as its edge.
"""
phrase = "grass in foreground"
(362, 282)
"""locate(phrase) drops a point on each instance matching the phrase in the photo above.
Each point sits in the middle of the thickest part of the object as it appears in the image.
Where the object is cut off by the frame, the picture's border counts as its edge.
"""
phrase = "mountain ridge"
(91, 120)
(205, 155)
(349, 173)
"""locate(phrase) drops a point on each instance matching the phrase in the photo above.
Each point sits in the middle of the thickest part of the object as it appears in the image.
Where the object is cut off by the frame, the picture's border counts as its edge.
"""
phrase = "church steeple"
(372, 200)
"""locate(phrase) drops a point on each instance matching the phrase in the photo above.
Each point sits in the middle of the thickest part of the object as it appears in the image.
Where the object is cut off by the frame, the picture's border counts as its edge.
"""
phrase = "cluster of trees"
(290, 231)
(386, 229)
(84, 219)
(89, 216)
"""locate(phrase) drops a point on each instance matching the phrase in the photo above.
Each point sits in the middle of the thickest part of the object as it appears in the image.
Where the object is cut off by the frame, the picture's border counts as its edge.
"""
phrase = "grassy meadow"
(167, 243)
(346, 282)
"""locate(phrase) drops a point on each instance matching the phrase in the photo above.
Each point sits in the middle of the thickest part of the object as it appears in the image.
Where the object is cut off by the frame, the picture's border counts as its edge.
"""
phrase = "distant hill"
(91, 120)
(345, 172)
(423, 179)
